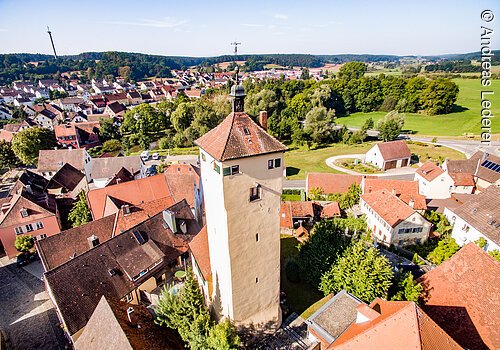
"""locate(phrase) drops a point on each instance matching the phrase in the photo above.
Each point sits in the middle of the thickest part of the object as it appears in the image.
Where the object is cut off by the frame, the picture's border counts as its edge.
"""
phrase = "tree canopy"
(80, 213)
(24, 243)
(28, 142)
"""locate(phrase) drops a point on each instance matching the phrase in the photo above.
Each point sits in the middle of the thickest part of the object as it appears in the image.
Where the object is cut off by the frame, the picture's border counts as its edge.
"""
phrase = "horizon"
(197, 29)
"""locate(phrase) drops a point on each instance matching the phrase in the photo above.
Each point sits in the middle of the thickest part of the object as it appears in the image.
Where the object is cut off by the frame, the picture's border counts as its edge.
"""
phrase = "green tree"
(351, 197)
(108, 130)
(361, 271)
(304, 75)
(24, 243)
(28, 142)
(439, 96)
(352, 70)
(390, 127)
(446, 248)
(112, 146)
(325, 244)
(7, 157)
(80, 213)
(182, 117)
(495, 253)
(319, 125)
(223, 337)
(406, 288)
(265, 100)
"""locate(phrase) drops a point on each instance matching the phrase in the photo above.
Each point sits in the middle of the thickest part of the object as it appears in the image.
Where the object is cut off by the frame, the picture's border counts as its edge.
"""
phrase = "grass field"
(466, 119)
(300, 161)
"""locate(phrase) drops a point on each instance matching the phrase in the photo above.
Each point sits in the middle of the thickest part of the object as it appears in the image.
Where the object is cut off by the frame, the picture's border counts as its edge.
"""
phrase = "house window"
(40, 237)
(24, 212)
(29, 228)
(203, 157)
(270, 164)
(277, 162)
(19, 230)
(39, 225)
(256, 279)
(232, 170)
(217, 168)
(274, 163)
(254, 193)
(129, 298)
(256, 237)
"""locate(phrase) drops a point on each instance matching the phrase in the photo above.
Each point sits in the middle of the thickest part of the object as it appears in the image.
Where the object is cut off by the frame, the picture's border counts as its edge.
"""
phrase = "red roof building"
(331, 183)
(405, 190)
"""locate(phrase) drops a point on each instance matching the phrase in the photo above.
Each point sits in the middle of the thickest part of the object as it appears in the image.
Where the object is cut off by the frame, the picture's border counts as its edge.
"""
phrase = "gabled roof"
(110, 166)
(403, 189)
(429, 171)
(53, 160)
(38, 205)
(330, 210)
(388, 206)
(116, 107)
(482, 211)
(394, 325)
(394, 150)
(68, 178)
(462, 295)
(109, 328)
(113, 268)
(332, 183)
(479, 164)
(462, 179)
(236, 137)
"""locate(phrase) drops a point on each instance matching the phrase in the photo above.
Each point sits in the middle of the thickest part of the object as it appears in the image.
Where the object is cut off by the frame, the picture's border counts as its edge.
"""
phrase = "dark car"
(152, 170)
(25, 258)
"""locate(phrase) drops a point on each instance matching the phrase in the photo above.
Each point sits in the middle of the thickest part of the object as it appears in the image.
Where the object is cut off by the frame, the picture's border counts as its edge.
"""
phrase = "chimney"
(93, 241)
(169, 218)
(411, 203)
(394, 191)
(365, 313)
(263, 119)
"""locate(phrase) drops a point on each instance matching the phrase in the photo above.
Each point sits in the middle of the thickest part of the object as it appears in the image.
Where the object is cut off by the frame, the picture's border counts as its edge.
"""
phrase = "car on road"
(145, 155)
(25, 258)
(155, 156)
(152, 170)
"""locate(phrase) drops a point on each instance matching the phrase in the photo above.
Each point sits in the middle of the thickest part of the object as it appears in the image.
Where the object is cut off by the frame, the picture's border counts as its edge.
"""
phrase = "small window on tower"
(277, 162)
(270, 164)
(217, 168)
(256, 279)
(246, 131)
(254, 193)
(256, 237)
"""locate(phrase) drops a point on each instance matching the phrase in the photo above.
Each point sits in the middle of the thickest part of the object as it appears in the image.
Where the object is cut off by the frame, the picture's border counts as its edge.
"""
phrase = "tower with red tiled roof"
(242, 174)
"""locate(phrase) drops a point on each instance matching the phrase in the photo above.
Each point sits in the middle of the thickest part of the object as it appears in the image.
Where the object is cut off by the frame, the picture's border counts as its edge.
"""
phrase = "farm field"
(465, 120)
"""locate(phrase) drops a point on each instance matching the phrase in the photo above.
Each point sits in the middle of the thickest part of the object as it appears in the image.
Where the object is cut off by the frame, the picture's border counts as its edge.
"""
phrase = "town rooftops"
(393, 325)
(297, 209)
(116, 107)
(68, 178)
(116, 267)
(482, 211)
(462, 179)
(482, 165)
(403, 189)
(333, 318)
(110, 166)
(116, 324)
(330, 210)
(390, 208)
(429, 171)
(394, 150)
(53, 160)
(462, 295)
(238, 136)
(332, 183)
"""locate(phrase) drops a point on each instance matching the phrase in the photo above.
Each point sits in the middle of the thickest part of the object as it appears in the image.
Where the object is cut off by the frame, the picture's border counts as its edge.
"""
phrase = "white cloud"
(254, 25)
(281, 16)
(166, 22)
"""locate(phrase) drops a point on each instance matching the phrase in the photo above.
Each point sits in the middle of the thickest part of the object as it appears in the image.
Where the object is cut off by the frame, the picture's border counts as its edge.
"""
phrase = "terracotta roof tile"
(332, 183)
(394, 150)
(429, 171)
(462, 179)
(330, 210)
(201, 251)
(53, 160)
(462, 295)
(405, 190)
(388, 206)
(238, 136)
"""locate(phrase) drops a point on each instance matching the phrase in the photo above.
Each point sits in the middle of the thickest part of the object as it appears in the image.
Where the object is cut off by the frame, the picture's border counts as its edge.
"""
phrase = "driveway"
(27, 316)
(405, 172)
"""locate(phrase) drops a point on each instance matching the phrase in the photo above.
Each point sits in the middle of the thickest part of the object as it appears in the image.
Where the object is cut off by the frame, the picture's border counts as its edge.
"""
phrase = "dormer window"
(246, 131)
(24, 212)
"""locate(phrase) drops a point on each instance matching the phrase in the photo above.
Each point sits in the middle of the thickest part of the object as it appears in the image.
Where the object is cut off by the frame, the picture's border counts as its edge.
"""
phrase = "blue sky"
(206, 28)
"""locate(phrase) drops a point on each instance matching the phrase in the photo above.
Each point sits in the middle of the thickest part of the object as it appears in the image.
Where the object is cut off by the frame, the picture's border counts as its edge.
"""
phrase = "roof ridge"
(232, 115)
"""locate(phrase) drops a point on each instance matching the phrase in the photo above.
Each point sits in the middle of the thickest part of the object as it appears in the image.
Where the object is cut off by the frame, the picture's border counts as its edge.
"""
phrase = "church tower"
(242, 176)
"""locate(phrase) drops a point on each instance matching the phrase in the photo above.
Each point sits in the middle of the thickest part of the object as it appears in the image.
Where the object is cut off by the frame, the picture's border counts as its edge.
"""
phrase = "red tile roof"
(201, 252)
(394, 325)
(388, 206)
(238, 136)
(462, 295)
(394, 150)
(429, 171)
(330, 210)
(405, 190)
(332, 183)
(462, 179)
(296, 209)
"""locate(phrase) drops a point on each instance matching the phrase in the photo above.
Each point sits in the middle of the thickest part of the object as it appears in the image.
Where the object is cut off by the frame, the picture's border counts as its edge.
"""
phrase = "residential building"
(105, 170)
(115, 110)
(67, 182)
(128, 327)
(407, 191)
(78, 135)
(392, 221)
(330, 210)
(131, 266)
(294, 214)
(389, 155)
(462, 295)
(433, 182)
(27, 211)
(478, 217)
(484, 167)
(242, 174)
(70, 104)
(331, 183)
(50, 161)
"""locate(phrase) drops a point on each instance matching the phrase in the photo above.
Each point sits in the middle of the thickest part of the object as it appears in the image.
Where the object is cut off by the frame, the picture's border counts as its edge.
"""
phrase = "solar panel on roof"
(138, 237)
(497, 168)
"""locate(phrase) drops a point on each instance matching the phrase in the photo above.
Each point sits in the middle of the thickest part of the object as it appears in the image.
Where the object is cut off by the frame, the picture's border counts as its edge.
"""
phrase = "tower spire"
(52, 42)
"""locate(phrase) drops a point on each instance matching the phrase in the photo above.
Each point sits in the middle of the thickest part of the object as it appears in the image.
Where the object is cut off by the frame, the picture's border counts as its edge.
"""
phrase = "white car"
(145, 155)
(155, 156)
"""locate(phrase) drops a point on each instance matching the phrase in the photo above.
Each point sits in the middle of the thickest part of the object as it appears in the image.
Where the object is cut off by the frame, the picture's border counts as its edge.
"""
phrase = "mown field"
(465, 119)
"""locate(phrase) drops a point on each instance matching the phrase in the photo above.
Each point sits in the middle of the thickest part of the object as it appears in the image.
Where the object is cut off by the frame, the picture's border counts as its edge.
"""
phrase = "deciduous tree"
(28, 142)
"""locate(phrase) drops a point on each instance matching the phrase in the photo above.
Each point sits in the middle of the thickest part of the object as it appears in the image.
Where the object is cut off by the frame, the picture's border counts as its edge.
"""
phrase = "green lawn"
(300, 161)
(300, 296)
(466, 119)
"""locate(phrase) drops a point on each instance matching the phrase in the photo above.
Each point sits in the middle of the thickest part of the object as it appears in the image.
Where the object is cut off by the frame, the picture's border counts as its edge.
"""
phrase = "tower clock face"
(238, 105)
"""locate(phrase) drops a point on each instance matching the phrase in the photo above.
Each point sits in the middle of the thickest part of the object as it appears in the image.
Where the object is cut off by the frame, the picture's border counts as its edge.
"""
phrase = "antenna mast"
(52, 42)
(235, 43)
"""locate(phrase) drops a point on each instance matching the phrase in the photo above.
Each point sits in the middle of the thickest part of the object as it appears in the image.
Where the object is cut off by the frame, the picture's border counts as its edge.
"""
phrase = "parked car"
(155, 156)
(152, 170)
(145, 155)
(25, 258)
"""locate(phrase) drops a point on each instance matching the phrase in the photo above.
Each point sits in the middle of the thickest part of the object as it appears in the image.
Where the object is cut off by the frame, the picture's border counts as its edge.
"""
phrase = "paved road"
(405, 172)
(27, 316)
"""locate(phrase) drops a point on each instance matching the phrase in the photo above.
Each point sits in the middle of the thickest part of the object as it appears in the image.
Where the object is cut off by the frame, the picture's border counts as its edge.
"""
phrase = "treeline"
(453, 67)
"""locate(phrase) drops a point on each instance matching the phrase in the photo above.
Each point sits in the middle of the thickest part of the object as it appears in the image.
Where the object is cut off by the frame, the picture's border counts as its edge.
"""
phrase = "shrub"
(292, 271)
(24, 243)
